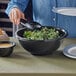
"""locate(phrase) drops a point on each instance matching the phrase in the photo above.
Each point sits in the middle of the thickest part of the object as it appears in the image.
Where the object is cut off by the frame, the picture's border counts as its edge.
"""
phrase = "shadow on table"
(23, 55)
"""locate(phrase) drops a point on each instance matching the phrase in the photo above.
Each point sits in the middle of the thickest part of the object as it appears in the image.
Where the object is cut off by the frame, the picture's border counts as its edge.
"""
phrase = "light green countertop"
(23, 62)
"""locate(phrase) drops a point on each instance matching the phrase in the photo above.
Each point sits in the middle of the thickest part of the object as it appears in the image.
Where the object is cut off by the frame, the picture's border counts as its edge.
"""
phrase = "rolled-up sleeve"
(21, 4)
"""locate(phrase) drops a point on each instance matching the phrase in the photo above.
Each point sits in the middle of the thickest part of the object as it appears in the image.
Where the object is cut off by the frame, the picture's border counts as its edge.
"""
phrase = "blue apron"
(42, 13)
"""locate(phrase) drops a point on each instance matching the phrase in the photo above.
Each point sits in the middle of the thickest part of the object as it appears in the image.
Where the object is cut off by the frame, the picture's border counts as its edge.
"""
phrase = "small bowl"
(6, 48)
(41, 47)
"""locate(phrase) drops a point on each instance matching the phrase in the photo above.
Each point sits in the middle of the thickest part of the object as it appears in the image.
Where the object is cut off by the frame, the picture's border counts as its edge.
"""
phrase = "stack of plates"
(70, 51)
(69, 11)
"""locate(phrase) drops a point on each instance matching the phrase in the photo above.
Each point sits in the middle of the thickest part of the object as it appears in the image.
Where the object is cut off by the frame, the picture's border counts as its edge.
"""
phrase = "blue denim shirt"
(42, 13)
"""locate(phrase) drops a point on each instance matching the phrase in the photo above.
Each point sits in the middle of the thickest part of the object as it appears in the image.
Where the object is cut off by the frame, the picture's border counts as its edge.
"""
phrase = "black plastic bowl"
(40, 47)
(5, 50)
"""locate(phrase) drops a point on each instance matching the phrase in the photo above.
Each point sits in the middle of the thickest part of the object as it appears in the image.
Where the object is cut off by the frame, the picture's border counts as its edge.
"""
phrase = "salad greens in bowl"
(43, 34)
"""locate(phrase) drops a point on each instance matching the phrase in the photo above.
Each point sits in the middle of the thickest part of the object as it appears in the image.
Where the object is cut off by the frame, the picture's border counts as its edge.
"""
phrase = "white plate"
(69, 11)
(70, 51)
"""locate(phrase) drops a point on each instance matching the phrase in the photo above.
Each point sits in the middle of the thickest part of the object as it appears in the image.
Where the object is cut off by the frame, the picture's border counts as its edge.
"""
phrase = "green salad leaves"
(43, 34)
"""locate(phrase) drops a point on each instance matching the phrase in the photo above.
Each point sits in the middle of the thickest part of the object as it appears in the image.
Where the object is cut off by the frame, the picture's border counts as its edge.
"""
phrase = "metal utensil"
(26, 24)
(30, 24)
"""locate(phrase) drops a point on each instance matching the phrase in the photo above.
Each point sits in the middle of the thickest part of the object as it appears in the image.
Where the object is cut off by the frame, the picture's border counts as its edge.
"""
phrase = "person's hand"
(15, 16)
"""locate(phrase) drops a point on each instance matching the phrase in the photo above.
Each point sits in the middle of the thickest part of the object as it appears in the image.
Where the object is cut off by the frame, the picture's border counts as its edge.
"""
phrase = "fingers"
(23, 17)
(11, 17)
(15, 16)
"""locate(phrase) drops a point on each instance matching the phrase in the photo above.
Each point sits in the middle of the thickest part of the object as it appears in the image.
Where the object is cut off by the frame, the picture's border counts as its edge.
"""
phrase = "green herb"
(43, 34)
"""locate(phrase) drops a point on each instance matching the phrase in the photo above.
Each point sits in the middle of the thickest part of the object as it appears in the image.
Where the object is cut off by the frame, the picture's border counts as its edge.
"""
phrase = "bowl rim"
(13, 44)
(57, 28)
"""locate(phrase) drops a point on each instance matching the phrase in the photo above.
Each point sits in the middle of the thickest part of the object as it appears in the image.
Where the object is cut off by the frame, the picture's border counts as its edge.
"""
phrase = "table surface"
(22, 61)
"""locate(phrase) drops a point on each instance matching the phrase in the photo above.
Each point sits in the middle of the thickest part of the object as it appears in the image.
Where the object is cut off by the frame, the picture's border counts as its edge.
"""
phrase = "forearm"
(21, 4)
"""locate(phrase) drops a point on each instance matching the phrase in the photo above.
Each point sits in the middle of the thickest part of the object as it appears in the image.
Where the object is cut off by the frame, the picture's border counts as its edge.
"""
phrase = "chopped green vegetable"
(43, 34)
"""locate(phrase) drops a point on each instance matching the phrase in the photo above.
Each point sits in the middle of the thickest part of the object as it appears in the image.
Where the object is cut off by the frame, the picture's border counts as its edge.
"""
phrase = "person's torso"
(42, 13)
